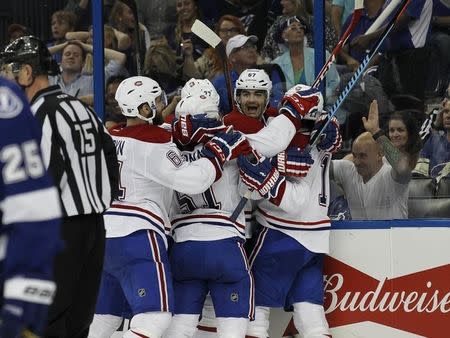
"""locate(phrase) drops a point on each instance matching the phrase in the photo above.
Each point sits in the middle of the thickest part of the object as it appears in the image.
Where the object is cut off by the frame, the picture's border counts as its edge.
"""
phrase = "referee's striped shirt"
(77, 150)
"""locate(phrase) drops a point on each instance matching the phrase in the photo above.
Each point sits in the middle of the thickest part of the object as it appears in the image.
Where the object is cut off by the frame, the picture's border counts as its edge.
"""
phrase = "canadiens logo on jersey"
(10, 103)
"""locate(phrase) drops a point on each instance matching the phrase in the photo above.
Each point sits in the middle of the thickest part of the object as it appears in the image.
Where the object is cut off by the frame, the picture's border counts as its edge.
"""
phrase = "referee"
(81, 157)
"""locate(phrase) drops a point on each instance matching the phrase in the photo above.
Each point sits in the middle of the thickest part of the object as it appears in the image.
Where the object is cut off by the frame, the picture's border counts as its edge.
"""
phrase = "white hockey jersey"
(206, 216)
(302, 213)
(151, 168)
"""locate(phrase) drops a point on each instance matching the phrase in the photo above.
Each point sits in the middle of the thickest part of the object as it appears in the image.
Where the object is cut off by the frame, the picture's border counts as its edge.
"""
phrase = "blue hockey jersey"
(29, 202)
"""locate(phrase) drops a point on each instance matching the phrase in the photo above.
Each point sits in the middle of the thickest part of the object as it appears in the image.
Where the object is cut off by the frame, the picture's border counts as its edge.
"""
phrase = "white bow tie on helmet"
(135, 91)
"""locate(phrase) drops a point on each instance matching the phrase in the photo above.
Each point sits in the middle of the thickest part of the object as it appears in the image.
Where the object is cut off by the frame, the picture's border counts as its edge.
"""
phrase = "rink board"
(384, 279)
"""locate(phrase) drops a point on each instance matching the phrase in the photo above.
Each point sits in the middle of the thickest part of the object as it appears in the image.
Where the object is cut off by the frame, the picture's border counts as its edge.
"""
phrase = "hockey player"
(252, 95)
(136, 274)
(200, 87)
(201, 228)
(30, 216)
(295, 233)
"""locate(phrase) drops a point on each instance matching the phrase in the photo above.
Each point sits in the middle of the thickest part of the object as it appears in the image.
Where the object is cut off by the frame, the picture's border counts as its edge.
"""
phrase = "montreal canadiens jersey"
(302, 213)
(267, 136)
(206, 216)
(27, 194)
(151, 168)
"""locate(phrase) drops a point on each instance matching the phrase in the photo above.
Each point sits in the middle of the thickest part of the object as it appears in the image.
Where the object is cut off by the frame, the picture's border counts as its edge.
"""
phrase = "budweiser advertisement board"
(383, 281)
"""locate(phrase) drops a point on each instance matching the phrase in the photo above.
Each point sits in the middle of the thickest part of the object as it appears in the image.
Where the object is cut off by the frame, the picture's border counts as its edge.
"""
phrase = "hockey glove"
(293, 162)
(299, 104)
(331, 139)
(193, 129)
(25, 306)
(262, 177)
(225, 147)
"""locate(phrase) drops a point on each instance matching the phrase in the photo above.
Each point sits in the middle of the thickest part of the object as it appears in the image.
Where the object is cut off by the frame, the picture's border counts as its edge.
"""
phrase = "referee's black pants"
(77, 273)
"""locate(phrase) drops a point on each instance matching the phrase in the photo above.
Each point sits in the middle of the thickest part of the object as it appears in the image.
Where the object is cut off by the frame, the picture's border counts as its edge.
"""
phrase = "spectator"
(374, 188)
(179, 35)
(210, 64)
(76, 73)
(254, 14)
(242, 54)
(114, 60)
(122, 19)
(62, 23)
(435, 156)
(156, 15)
(82, 11)
(113, 38)
(303, 9)
(351, 57)
(440, 36)
(272, 48)
(113, 114)
(405, 58)
(71, 80)
(160, 64)
(298, 62)
(340, 11)
(402, 129)
(15, 31)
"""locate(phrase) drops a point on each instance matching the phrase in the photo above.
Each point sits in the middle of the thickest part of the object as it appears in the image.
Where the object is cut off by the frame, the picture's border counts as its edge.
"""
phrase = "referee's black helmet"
(30, 50)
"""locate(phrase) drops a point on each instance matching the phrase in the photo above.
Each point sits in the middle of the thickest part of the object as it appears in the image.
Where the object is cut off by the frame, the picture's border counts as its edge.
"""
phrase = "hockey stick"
(207, 34)
(383, 16)
(357, 14)
(358, 73)
(137, 35)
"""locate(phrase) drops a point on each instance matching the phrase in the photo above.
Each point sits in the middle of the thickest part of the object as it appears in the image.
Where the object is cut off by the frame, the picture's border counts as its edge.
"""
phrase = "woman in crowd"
(122, 19)
(303, 9)
(180, 36)
(403, 142)
(297, 62)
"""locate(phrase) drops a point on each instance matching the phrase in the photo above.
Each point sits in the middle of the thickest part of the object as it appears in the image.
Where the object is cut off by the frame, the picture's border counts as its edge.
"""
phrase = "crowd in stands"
(395, 124)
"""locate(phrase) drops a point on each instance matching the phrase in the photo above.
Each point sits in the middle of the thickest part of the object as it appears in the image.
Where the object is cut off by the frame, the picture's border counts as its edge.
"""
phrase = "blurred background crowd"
(409, 79)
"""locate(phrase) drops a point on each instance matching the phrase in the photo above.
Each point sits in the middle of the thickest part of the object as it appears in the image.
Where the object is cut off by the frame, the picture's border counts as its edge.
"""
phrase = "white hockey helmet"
(305, 90)
(197, 104)
(198, 87)
(134, 92)
(253, 79)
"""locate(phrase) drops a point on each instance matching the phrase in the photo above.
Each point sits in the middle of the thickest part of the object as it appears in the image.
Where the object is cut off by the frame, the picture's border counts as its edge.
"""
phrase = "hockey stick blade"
(356, 16)
(358, 73)
(205, 33)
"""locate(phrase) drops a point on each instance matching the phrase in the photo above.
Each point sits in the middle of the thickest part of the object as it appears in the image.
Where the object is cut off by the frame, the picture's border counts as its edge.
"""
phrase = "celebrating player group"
(171, 242)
